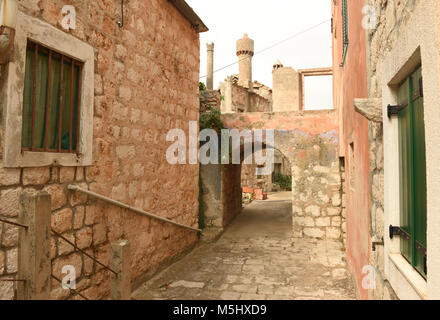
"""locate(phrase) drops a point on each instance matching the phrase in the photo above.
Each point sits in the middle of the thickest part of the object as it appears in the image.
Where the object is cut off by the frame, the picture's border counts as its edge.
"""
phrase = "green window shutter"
(420, 199)
(405, 169)
(344, 30)
(412, 151)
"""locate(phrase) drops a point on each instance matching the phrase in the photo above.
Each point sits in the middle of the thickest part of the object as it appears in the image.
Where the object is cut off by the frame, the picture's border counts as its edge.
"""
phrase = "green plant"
(202, 86)
(285, 182)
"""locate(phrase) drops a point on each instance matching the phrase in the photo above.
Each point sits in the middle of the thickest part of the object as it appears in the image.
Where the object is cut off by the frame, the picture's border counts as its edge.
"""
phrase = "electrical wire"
(274, 45)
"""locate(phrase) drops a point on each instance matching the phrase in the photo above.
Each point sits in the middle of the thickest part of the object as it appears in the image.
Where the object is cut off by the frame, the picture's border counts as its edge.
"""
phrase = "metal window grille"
(52, 99)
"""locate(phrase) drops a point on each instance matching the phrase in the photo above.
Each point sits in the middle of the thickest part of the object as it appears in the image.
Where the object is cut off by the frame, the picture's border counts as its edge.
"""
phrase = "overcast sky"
(269, 22)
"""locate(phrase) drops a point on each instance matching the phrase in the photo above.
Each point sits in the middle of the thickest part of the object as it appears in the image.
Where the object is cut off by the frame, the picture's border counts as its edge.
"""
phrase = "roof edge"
(190, 15)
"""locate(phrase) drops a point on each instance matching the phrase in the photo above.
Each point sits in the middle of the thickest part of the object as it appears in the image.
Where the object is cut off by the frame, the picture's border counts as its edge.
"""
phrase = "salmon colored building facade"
(350, 82)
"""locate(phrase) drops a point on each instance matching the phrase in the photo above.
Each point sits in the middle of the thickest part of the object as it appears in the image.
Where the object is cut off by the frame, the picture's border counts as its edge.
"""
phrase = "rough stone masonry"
(146, 83)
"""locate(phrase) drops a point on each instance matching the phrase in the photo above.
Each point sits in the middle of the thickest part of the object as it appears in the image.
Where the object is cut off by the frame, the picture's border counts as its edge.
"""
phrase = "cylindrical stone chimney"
(245, 52)
(210, 67)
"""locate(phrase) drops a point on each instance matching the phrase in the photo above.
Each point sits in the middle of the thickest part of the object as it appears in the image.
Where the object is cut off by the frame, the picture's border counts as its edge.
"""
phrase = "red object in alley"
(248, 190)
(258, 194)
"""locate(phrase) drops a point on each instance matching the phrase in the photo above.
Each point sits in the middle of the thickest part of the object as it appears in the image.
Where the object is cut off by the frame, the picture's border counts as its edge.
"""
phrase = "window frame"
(12, 88)
(37, 48)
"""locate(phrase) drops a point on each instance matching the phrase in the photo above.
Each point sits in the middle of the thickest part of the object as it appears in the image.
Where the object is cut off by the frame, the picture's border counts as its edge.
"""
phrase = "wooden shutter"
(412, 166)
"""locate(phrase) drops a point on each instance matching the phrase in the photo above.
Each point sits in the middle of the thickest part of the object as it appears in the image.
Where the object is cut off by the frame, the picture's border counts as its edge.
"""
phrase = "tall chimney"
(210, 67)
(245, 52)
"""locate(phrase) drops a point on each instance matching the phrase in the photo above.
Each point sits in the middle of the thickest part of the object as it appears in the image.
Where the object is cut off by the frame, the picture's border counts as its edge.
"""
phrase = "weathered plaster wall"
(211, 178)
(350, 81)
(286, 90)
(146, 83)
(393, 17)
(408, 35)
(309, 140)
(231, 192)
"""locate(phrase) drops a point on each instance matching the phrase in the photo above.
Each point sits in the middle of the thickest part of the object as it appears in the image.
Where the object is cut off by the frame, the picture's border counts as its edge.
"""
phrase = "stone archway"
(310, 141)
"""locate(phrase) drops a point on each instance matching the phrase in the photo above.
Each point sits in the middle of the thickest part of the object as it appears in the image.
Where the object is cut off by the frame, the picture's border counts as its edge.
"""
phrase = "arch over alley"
(309, 140)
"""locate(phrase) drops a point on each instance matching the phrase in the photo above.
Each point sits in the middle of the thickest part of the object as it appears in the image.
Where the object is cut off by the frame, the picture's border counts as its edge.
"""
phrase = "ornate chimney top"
(277, 65)
(245, 46)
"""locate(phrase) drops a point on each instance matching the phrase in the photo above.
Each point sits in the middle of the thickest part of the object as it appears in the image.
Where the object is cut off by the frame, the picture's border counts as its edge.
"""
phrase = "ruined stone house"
(241, 94)
(306, 142)
(386, 74)
(127, 77)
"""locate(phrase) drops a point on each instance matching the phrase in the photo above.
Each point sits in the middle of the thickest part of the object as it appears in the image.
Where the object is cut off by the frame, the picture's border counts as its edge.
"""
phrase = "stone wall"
(211, 177)
(237, 98)
(221, 194)
(231, 192)
(146, 83)
(317, 188)
(250, 179)
(392, 16)
(309, 140)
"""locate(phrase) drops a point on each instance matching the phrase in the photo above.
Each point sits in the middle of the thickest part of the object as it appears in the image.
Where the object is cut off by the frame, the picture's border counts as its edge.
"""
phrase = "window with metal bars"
(51, 101)
(344, 30)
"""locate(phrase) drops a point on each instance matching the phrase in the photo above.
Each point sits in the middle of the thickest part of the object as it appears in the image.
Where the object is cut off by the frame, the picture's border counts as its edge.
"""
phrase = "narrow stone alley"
(257, 259)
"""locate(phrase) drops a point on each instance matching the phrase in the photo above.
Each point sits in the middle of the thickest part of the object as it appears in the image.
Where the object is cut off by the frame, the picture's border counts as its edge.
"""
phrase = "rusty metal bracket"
(398, 231)
(377, 243)
(14, 223)
(394, 110)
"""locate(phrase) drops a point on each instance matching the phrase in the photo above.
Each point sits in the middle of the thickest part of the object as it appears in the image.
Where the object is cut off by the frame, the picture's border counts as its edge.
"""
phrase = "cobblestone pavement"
(256, 259)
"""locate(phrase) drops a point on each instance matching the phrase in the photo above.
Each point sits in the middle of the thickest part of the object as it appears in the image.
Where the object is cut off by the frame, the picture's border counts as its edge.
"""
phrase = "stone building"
(306, 144)
(130, 80)
(386, 75)
(241, 94)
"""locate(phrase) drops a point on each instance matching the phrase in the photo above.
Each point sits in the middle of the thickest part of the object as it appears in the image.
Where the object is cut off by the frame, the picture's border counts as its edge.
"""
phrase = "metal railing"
(75, 292)
(83, 252)
(71, 290)
(126, 206)
(17, 225)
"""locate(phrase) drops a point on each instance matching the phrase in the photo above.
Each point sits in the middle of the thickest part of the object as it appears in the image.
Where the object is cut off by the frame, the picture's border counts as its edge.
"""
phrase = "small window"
(259, 176)
(412, 154)
(344, 30)
(51, 101)
(352, 167)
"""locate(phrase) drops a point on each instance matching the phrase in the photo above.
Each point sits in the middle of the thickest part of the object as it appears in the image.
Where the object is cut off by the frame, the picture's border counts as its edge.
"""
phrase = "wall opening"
(318, 92)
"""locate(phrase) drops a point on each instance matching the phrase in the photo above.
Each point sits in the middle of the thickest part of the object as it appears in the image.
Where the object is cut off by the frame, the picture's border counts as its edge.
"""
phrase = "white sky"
(268, 22)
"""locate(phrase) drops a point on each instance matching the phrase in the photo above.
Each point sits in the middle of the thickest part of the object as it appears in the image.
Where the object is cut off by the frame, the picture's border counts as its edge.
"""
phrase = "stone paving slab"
(256, 266)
